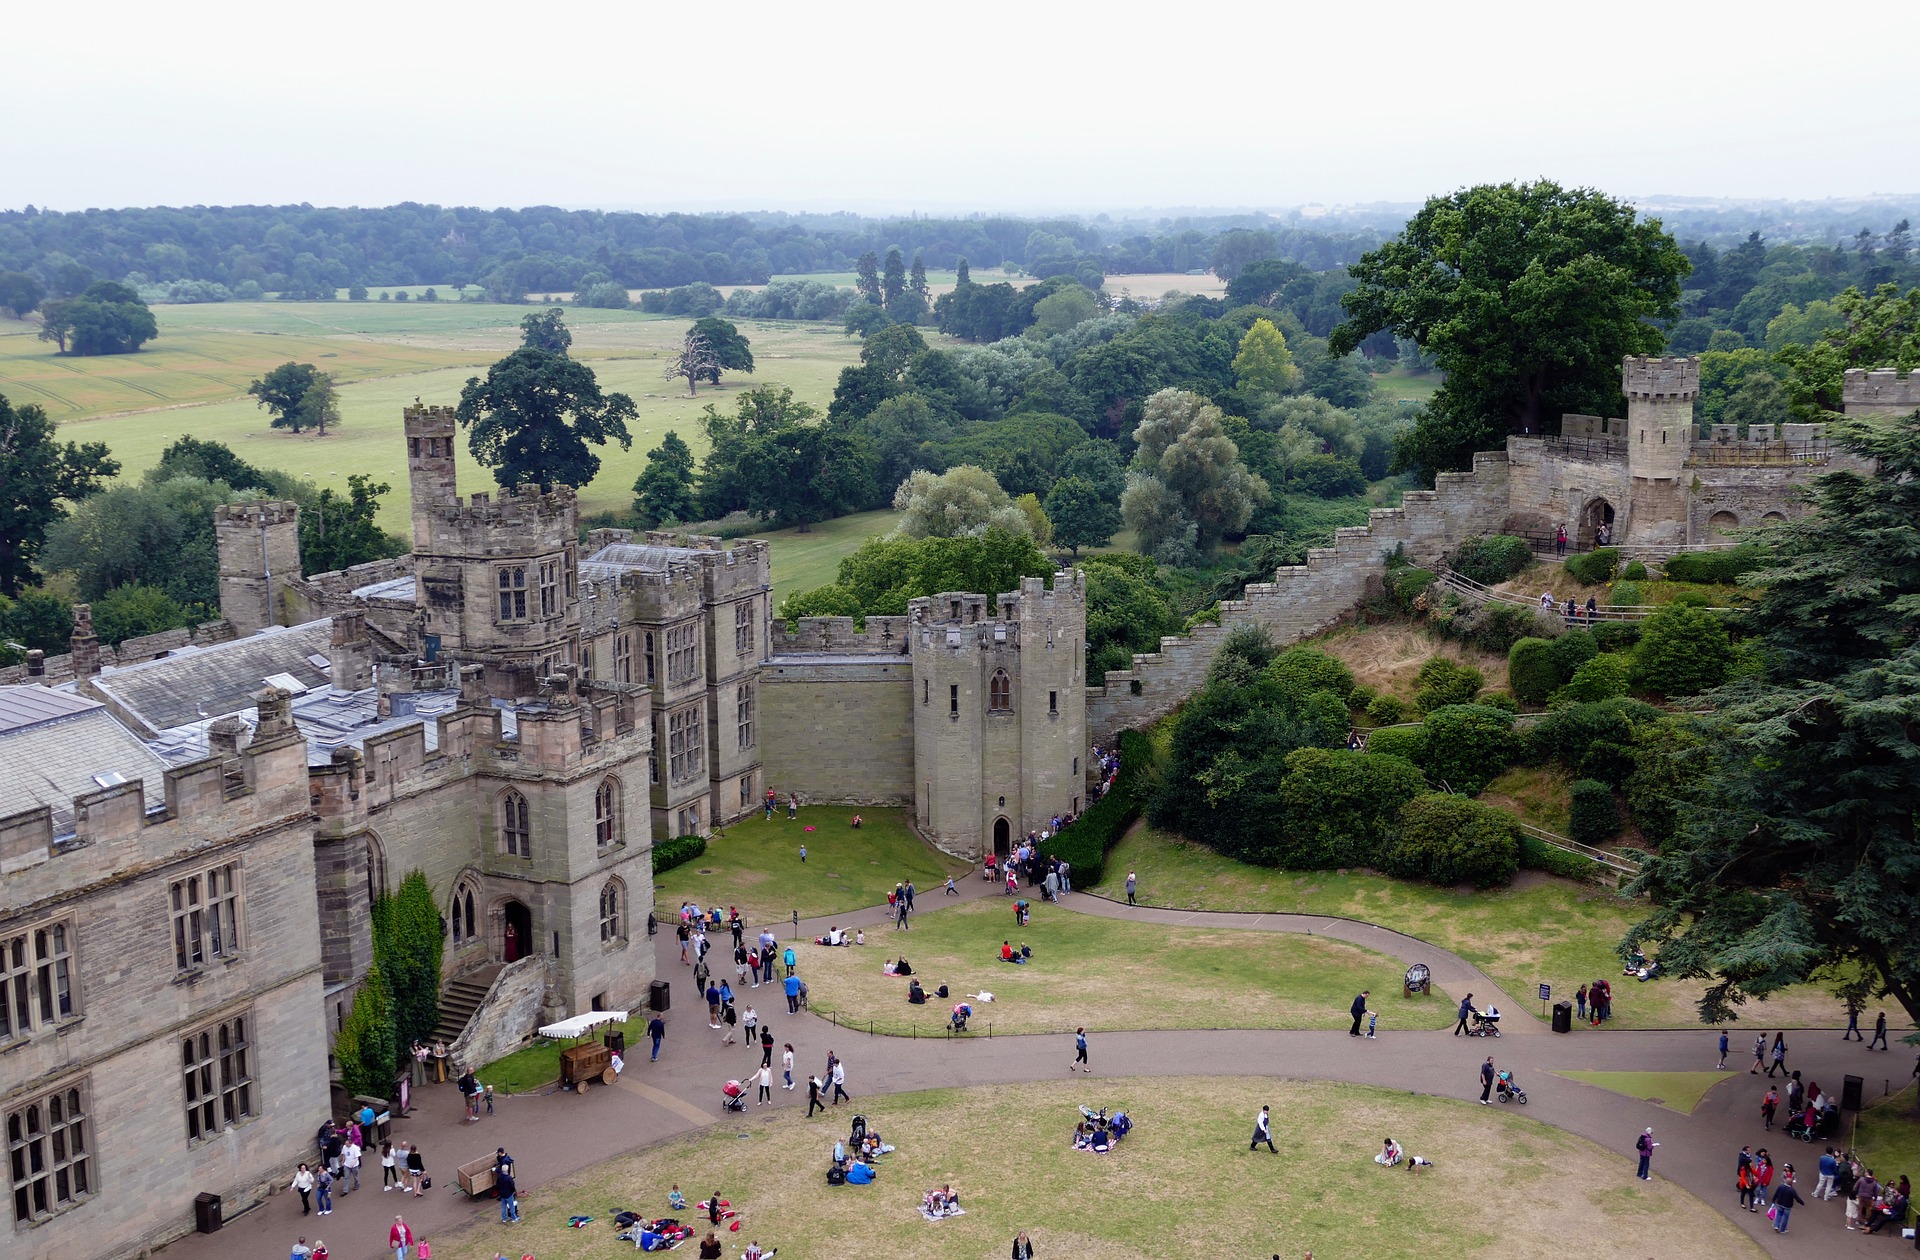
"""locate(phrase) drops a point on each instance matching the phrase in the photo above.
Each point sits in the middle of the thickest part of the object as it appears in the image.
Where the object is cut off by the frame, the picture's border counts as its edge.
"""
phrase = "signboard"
(1546, 993)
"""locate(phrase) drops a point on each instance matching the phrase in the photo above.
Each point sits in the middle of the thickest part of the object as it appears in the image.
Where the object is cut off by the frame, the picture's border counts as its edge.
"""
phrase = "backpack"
(835, 1177)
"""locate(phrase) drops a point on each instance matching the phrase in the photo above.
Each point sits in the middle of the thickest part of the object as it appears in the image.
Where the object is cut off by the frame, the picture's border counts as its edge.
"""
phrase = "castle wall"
(1554, 482)
(838, 728)
(1880, 392)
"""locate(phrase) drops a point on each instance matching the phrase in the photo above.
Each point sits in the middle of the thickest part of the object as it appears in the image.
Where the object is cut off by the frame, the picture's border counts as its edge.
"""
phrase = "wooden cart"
(583, 1063)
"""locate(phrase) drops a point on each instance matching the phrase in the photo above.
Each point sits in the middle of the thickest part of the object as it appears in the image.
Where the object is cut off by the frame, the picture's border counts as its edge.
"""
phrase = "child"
(489, 1100)
(1418, 1161)
(1373, 1019)
(676, 1200)
(426, 1250)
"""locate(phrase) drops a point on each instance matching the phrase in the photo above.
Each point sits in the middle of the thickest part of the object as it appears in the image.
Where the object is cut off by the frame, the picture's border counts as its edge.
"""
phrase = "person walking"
(786, 1064)
(1022, 1246)
(1645, 1147)
(1829, 1169)
(1743, 1176)
(789, 959)
(656, 1032)
(1486, 1080)
(813, 1096)
(1853, 1025)
(1466, 1009)
(732, 1019)
(793, 990)
(1723, 1048)
(1759, 1055)
(766, 1045)
(508, 1192)
(303, 1183)
(1263, 1131)
(399, 1238)
(1079, 1051)
(764, 1079)
(951, 890)
(416, 1167)
(1132, 883)
(1768, 1106)
(323, 1191)
(1359, 1010)
(1778, 1062)
(350, 1166)
(750, 1022)
(1785, 1197)
(1879, 1032)
(771, 798)
(909, 894)
(803, 853)
(900, 915)
(840, 1083)
(389, 1175)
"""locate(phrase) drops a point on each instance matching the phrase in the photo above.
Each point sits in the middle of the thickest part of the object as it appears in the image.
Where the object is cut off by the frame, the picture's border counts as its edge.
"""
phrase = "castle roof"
(402, 589)
(616, 558)
(55, 745)
(331, 719)
(206, 681)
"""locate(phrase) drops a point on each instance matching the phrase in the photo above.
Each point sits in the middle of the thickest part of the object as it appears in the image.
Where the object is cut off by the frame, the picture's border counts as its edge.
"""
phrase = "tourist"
(1560, 541)
(1645, 1147)
(470, 1092)
(1022, 1246)
(766, 1045)
(803, 853)
(685, 935)
(1066, 878)
(951, 890)
(320, 1251)
(1879, 1032)
(1829, 1169)
(1853, 1025)
(1784, 1200)
(1759, 1055)
(1762, 1178)
(740, 963)
(732, 1017)
(1860, 1206)
(1767, 1107)
(303, 1182)
(508, 1193)
(1263, 1130)
(1580, 1004)
(789, 959)
(710, 1248)
(416, 1167)
(793, 808)
(814, 1086)
(656, 1030)
(793, 990)
(1723, 1048)
(840, 1083)
(909, 891)
(389, 1175)
(713, 1005)
(900, 919)
(300, 1249)
(786, 1064)
(764, 1079)
(399, 1238)
(1079, 1051)
(1743, 1176)
(1486, 1080)
(1466, 1009)
(350, 1165)
(1778, 1062)
(1132, 883)
(751, 1022)
(1359, 1009)
(771, 798)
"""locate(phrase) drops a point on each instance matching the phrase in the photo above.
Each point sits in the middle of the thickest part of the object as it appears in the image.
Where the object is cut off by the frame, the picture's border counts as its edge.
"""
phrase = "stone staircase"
(460, 999)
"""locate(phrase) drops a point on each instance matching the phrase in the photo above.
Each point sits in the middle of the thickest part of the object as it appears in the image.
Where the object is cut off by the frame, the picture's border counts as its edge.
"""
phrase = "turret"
(259, 545)
(1660, 394)
(430, 467)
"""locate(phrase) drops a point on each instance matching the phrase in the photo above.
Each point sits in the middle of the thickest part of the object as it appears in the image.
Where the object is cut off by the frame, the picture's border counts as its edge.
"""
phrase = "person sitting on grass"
(1389, 1155)
(856, 822)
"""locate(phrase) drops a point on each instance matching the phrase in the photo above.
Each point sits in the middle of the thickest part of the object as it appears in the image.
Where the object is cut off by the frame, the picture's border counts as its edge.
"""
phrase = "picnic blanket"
(931, 1215)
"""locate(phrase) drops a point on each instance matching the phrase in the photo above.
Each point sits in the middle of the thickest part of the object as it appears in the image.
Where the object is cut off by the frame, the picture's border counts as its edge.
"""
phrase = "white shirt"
(839, 1074)
(350, 1155)
(764, 1077)
(786, 1060)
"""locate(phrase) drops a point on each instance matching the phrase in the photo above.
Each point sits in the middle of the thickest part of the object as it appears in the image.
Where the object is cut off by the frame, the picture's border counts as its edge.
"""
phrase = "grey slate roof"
(400, 588)
(330, 719)
(616, 558)
(52, 744)
(196, 682)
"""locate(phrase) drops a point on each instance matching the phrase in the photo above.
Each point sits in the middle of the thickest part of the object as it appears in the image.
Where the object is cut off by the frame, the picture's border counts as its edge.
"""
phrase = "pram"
(961, 1014)
(1487, 1025)
(1825, 1124)
(733, 1096)
(1509, 1089)
(1119, 1124)
(990, 871)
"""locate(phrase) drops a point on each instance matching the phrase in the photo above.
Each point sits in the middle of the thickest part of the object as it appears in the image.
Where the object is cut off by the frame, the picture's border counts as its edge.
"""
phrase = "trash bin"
(206, 1213)
(1852, 1089)
(659, 996)
(1563, 1017)
(617, 1042)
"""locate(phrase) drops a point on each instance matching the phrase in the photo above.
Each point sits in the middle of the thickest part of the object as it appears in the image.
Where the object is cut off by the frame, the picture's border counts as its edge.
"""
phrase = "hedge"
(1538, 855)
(677, 852)
(1468, 746)
(1339, 807)
(1593, 567)
(1443, 681)
(1532, 671)
(1301, 671)
(1384, 710)
(1085, 842)
(1491, 561)
(1716, 567)
(1451, 840)
(1602, 678)
(1406, 742)
(1634, 572)
(1594, 817)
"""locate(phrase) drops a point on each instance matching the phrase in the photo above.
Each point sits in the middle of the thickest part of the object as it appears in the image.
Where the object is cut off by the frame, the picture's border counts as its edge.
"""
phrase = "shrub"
(1602, 678)
(1593, 567)
(1634, 572)
(1468, 746)
(1566, 734)
(1538, 855)
(1408, 585)
(1339, 807)
(1086, 842)
(1716, 567)
(1444, 681)
(1616, 636)
(1608, 761)
(1683, 651)
(1451, 840)
(1385, 710)
(1327, 721)
(1491, 561)
(1248, 643)
(1360, 697)
(677, 852)
(1626, 594)
(1495, 627)
(1572, 650)
(1406, 742)
(1532, 671)
(1594, 817)
(1303, 670)
(1501, 700)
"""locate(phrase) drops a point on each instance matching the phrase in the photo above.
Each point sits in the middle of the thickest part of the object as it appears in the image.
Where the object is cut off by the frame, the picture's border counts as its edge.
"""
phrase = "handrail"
(1618, 612)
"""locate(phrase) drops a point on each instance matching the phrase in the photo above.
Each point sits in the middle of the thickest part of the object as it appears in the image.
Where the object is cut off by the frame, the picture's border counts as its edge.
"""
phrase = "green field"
(1183, 1184)
(1888, 1136)
(1676, 1091)
(804, 559)
(1398, 386)
(193, 380)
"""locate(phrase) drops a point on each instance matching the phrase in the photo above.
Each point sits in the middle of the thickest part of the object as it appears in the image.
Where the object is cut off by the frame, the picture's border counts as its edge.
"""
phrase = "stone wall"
(54, 670)
(838, 729)
(506, 1020)
(1880, 392)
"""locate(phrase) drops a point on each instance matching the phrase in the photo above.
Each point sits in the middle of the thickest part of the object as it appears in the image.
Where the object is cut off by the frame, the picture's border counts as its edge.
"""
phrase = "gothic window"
(743, 715)
(650, 665)
(1000, 692)
(743, 627)
(623, 658)
(513, 593)
(606, 804)
(206, 917)
(465, 926)
(515, 834)
(38, 981)
(610, 898)
(217, 1064)
(686, 747)
(682, 654)
(549, 588)
(49, 1160)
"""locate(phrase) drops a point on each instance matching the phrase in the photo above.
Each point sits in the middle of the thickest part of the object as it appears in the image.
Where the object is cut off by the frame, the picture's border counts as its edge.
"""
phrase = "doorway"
(1596, 516)
(516, 932)
(1002, 838)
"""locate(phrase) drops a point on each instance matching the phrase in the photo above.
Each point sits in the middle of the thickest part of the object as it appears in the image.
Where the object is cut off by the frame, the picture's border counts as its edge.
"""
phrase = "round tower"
(1660, 429)
(430, 469)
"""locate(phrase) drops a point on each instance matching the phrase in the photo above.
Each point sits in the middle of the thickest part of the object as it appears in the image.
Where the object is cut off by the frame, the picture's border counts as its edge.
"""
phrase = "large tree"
(1881, 329)
(337, 531)
(962, 500)
(729, 350)
(41, 476)
(1188, 487)
(20, 293)
(1527, 296)
(867, 278)
(694, 361)
(1264, 362)
(534, 416)
(547, 330)
(1081, 515)
(109, 318)
(663, 492)
(283, 393)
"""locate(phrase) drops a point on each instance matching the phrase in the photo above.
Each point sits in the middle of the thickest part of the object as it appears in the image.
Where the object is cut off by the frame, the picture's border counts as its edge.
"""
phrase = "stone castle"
(193, 827)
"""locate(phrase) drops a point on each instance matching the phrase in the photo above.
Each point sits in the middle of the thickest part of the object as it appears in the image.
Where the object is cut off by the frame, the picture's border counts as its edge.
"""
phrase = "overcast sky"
(991, 106)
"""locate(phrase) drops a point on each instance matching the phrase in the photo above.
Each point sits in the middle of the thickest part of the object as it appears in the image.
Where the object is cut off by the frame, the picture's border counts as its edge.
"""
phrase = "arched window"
(1000, 692)
(466, 927)
(515, 835)
(606, 803)
(610, 911)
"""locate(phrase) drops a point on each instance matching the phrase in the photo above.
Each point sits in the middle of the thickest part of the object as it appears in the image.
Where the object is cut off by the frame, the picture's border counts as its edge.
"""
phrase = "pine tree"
(917, 280)
(962, 275)
(869, 281)
(894, 281)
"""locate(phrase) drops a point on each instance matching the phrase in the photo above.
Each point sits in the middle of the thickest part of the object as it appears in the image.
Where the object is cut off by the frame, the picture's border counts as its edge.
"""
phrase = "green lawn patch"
(1888, 1137)
(755, 864)
(803, 560)
(538, 1064)
(1182, 1185)
(1102, 973)
(1676, 1091)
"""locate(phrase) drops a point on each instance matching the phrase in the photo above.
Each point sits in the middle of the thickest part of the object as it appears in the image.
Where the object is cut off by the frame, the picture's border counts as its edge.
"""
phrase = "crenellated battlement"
(837, 636)
(1879, 392)
(1647, 377)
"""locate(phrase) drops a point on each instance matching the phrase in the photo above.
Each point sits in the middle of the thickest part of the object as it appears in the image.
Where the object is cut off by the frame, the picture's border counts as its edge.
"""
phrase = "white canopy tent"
(581, 1025)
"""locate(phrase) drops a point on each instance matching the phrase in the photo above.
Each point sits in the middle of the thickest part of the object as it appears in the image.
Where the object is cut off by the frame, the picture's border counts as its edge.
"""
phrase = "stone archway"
(1596, 513)
(1720, 522)
(516, 931)
(1002, 838)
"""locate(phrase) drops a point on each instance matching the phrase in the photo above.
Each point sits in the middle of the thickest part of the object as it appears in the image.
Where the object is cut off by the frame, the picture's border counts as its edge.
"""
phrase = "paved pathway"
(553, 1134)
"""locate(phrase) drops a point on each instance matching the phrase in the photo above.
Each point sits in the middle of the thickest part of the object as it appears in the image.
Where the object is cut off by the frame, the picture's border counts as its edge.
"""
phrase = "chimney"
(275, 707)
(473, 687)
(350, 654)
(84, 644)
(36, 663)
(223, 737)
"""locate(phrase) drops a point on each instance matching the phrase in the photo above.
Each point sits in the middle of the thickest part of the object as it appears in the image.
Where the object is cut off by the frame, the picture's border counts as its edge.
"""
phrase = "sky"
(987, 106)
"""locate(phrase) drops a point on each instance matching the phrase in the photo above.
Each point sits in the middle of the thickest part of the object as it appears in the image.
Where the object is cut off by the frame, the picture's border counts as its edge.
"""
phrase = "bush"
(1626, 594)
(1491, 561)
(1444, 681)
(1302, 671)
(1451, 840)
(1495, 627)
(1616, 636)
(1086, 842)
(1566, 735)
(1607, 761)
(1468, 746)
(1594, 817)
(1634, 572)
(677, 852)
(1501, 700)
(1716, 567)
(1601, 678)
(1408, 585)
(1409, 743)
(1571, 650)
(1339, 807)
(1250, 643)
(1593, 567)
(1683, 652)
(1385, 710)
(1360, 697)
(1532, 670)
(1538, 855)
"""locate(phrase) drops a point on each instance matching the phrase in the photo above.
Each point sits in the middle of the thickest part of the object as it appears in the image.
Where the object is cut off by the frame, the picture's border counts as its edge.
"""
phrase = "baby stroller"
(990, 871)
(1509, 1089)
(733, 1096)
(961, 1014)
(1825, 1124)
(1487, 1025)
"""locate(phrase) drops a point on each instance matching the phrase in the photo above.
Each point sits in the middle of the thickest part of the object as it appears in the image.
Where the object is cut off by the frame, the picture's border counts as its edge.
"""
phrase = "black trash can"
(1852, 1091)
(206, 1213)
(617, 1042)
(659, 996)
(1563, 1017)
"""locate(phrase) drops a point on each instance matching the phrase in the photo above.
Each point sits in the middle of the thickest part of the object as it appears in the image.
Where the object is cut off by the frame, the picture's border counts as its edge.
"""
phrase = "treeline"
(1770, 296)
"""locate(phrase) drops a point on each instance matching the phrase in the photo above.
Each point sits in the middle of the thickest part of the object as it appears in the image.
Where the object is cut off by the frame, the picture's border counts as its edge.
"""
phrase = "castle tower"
(430, 467)
(1660, 430)
(259, 546)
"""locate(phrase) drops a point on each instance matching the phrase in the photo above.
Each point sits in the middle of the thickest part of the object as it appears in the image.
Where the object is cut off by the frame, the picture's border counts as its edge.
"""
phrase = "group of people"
(1573, 610)
(1811, 1112)
(1594, 1002)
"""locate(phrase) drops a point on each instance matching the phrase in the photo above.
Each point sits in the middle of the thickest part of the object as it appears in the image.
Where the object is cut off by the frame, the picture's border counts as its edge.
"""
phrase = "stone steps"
(459, 1000)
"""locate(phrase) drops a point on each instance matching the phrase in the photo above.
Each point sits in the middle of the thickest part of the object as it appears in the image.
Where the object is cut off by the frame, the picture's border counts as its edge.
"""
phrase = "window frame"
(743, 635)
(220, 1090)
(199, 909)
(64, 1151)
(606, 813)
(515, 841)
(686, 745)
(550, 602)
(39, 978)
(511, 584)
(1000, 692)
(612, 913)
(743, 715)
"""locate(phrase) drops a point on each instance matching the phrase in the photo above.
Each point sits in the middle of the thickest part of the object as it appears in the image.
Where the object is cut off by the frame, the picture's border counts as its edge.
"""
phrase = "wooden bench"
(476, 1176)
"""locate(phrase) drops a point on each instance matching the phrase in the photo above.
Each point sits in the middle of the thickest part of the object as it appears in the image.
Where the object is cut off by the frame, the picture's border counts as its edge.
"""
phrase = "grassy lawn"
(1541, 795)
(539, 1064)
(756, 865)
(1106, 974)
(1676, 1091)
(805, 559)
(1542, 930)
(1888, 1137)
(1398, 386)
(193, 379)
(1388, 656)
(1182, 1185)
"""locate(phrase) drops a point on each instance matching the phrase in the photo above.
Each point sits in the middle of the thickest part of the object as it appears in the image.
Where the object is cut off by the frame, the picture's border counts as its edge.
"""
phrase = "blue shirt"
(1080, 1041)
(1829, 1165)
(793, 986)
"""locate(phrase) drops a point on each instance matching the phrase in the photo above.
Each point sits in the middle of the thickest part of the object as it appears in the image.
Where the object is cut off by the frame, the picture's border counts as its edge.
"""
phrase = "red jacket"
(400, 1235)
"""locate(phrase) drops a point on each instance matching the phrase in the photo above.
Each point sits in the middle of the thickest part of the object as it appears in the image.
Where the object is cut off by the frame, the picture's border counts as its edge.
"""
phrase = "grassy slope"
(756, 865)
(1888, 1138)
(1542, 931)
(1106, 974)
(1182, 1185)
(1676, 1091)
(804, 559)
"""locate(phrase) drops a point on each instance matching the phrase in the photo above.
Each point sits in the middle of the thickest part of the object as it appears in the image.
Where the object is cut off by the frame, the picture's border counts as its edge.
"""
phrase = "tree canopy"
(547, 330)
(728, 350)
(963, 500)
(1188, 485)
(41, 477)
(298, 396)
(663, 492)
(534, 416)
(1527, 296)
(108, 318)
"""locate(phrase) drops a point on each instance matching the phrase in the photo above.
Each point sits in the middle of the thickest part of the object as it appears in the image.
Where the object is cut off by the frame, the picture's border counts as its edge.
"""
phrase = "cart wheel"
(608, 1077)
